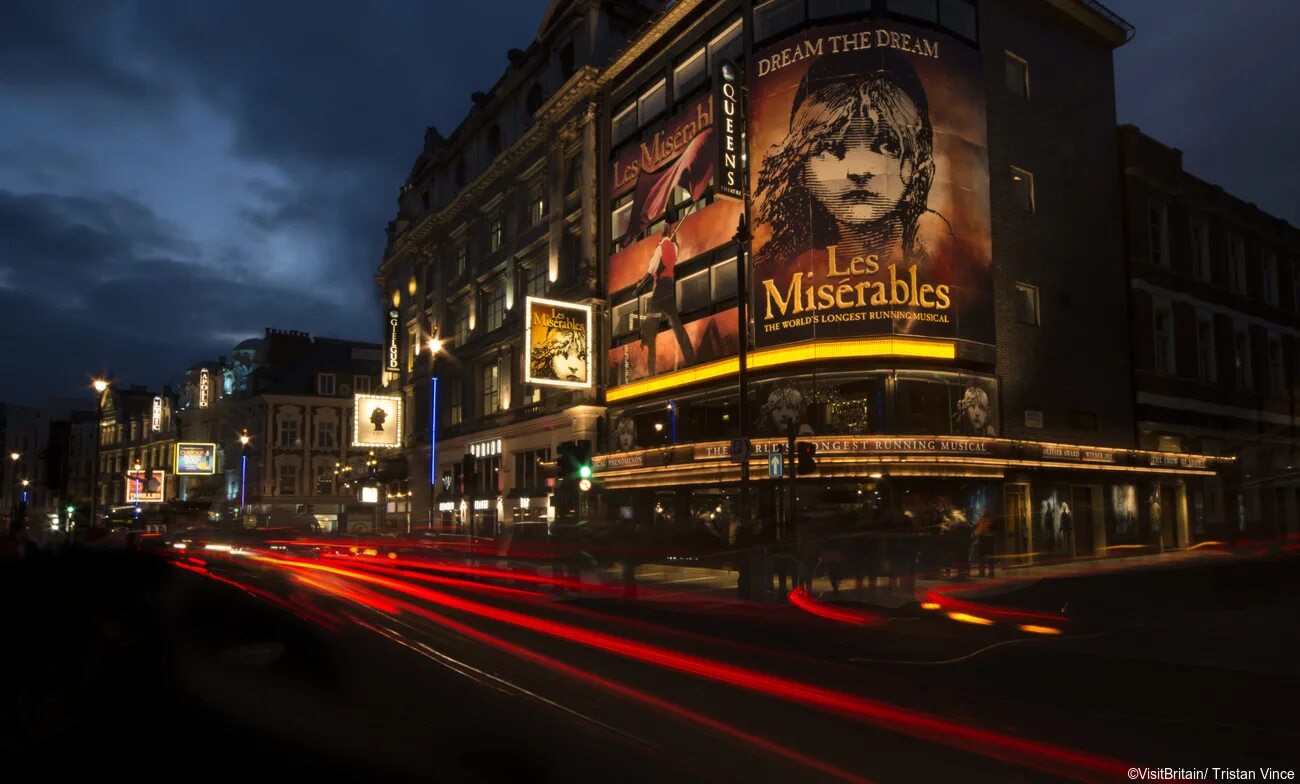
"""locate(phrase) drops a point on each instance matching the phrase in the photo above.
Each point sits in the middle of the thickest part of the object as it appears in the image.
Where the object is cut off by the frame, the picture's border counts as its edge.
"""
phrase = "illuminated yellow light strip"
(967, 618)
(1211, 543)
(1034, 629)
(931, 606)
(775, 357)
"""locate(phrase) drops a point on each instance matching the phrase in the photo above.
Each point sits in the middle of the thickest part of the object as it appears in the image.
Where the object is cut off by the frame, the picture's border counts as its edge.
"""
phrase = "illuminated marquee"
(155, 419)
(558, 337)
(205, 388)
(195, 459)
(730, 129)
(393, 356)
(377, 421)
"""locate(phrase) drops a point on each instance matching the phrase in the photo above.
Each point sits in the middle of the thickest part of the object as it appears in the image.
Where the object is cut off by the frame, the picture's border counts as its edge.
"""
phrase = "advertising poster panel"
(869, 177)
(196, 459)
(377, 421)
(558, 336)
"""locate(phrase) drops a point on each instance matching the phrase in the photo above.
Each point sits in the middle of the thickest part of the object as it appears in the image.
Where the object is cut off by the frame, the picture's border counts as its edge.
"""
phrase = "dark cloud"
(103, 283)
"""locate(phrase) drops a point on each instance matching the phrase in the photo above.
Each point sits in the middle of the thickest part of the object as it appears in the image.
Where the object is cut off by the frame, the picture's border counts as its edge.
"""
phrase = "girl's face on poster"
(861, 177)
(570, 364)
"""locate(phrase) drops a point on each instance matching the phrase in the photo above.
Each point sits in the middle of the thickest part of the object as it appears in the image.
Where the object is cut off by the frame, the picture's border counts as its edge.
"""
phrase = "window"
(460, 322)
(288, 479)
(460, 173)
(689, 74)
(652, 103)
(1205, 369)
(325, 435)
(496, 233)
(462, 258)
(621, 216)
(1022, 189)
(536, 203)
(1163, 333)
(288, 432)
(572, 174)
(412, 348)
(491, 389)
(494, 304)
(776, 16)
(1200, 249)
(623, 125)
(925, 10)
(724, 280)
(1270, 278)
(535, 278)
(958, 16)
(726, 45)
(1017, 75)
(361, 384)
(455, 401)
(1237, 264)
(821, 9)
(1158, 234)
(324, 481)
(1027, 304)
(494, 141)
(1241, 351)
(693, 292)
(1276, 370)
(566, 59)
(533, 101)
(528, 469)
(625, 318)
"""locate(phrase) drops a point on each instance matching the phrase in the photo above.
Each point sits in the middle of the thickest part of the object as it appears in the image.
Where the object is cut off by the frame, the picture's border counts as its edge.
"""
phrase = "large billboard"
(194, 459)
(558, 337)
(870, 186)
(663, 341)
(377, 421)
(145, 486)
(678, 154)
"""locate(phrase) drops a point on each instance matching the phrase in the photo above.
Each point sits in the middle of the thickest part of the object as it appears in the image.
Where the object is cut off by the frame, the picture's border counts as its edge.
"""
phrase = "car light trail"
(800, 598)
(1053, 759)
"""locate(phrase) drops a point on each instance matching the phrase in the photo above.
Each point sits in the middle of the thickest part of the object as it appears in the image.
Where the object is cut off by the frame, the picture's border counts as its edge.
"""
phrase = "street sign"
(741, 449)
(774, 465)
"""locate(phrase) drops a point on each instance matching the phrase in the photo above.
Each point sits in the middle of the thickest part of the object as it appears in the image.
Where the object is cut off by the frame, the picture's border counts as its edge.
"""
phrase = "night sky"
(176, 176)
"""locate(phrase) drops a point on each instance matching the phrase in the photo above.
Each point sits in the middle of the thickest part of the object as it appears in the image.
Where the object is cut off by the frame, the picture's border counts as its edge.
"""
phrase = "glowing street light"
(100, 385)
(435, 345)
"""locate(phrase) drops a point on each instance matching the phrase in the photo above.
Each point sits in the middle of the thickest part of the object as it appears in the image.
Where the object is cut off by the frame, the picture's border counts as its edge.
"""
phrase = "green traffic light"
(584, 472)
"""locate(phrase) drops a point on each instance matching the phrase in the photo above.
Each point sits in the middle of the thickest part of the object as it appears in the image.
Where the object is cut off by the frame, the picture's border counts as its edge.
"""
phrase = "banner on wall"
(558, 337)
(870, 186)
(377, 421)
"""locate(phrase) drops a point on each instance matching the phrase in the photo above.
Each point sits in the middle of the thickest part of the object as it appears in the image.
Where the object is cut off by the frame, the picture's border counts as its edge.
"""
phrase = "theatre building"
(934, 266)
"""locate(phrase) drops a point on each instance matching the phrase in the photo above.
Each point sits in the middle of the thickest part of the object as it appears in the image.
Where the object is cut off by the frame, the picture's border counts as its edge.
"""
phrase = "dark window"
(775, 17)
(496, 233)
(494, 141)
(820, 9)
(652, 103)
(693, 292)
(566, 59)
(625, 318)
(460, 173)
(724, 280)
(958, 16)
(689, 74)
(572, 174)
(1022, 189)
(624, 124)
(529, 474)
(1027, 304)
(455, 402)
(534, 100)
(1017, 75)
(1158, 234)
(726, 45)
(925, 10)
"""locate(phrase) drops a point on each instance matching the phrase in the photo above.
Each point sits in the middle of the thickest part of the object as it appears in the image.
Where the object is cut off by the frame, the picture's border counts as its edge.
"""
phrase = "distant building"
(1214, 284)
(292, 394)
(137, 432)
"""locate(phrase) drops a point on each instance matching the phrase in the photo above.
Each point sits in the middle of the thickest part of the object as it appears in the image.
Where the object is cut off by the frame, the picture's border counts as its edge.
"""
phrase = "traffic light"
(573, 460)
(807, 461)
(468, 474)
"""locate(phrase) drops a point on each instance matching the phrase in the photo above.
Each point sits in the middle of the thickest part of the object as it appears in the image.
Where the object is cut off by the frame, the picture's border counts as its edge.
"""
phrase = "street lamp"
(243, 473)
(436, 345)
(13, 491)
(139, 480)
(100, 386)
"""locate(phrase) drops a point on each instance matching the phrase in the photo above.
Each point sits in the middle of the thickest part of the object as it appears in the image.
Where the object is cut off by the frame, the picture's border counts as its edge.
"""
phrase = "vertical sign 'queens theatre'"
(869, 175)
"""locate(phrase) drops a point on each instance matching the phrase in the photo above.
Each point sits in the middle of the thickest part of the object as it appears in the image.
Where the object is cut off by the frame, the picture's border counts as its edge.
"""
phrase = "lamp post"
(13, 490)
(100, 385)
(435, 345)
(139, 480)
(23, 506)
(243, 474)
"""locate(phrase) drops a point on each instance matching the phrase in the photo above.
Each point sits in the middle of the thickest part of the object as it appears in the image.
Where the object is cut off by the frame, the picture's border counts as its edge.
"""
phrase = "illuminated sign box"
(377, 421)
(193, 459)
(558, 337)
(145, 486)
